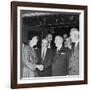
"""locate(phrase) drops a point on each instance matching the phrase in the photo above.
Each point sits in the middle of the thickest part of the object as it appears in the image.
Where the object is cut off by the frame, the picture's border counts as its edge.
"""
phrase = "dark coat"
(46, 62)
(60, 62)
(74, 62)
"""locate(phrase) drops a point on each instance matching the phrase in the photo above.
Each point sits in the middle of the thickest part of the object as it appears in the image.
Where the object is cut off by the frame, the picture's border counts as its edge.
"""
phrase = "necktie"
(73, 46)
(43, 54)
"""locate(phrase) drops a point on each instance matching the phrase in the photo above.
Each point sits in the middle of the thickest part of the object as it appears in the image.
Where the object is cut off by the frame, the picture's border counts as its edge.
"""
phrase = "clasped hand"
(40, 67)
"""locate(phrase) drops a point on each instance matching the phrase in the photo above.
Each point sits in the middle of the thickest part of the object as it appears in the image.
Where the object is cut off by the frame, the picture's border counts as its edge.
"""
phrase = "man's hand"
(40, 67)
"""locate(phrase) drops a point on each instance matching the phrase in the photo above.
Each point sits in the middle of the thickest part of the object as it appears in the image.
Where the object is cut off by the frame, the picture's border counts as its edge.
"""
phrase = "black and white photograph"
(50, 45)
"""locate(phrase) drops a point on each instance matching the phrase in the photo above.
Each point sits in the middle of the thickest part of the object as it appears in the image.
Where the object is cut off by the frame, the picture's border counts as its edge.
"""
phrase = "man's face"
(44, 43)
(65, 36)
(74, 36)
(67, 42)
(49, 38)
(58, 41)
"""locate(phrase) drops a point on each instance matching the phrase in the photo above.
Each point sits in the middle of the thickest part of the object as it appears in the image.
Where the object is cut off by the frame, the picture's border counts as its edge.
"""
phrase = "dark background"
(40, 23)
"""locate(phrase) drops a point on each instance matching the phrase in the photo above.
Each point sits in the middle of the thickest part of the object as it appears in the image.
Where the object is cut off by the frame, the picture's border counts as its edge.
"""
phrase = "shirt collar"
(76, 43)
(59, 48)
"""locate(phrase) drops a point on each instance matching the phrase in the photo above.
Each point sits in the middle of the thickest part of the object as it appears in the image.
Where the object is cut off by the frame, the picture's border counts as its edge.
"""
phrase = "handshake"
(40, 67)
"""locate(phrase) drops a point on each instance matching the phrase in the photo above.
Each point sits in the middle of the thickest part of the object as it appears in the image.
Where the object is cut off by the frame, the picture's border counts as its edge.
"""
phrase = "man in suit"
(44, 66)
(74, 59)
(49, 39)
(60, 59)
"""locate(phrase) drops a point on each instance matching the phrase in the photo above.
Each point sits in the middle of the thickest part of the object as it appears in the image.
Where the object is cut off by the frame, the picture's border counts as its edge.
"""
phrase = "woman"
(29, 58)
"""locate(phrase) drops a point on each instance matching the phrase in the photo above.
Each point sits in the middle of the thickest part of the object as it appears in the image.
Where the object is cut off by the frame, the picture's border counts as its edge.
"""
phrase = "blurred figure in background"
(67, 43)
(64, 36)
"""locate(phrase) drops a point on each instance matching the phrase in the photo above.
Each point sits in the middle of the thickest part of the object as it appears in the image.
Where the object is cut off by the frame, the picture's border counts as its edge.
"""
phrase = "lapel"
(75, 53)
(46, 56)
(77, 48)
(58, 54)
(39, 55)
(47, 53)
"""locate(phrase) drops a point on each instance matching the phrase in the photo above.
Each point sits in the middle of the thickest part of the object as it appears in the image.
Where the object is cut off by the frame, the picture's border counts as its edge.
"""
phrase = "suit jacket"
(46, 62)
(74, 62)
(60, 62)
(52, 45)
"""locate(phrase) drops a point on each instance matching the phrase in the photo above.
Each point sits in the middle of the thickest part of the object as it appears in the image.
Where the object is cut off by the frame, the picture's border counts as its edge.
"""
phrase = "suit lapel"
(46, 56)
(77, 48)
(57, 54)
(39, 56)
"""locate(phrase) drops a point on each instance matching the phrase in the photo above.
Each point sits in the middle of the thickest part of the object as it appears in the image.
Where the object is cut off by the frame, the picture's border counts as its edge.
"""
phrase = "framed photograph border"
(14, 5)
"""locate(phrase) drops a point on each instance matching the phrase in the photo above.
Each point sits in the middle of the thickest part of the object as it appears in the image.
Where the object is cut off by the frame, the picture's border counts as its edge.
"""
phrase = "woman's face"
(34, 41)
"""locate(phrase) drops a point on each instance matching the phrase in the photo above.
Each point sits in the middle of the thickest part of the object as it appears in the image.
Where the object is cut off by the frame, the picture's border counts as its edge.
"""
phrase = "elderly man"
(74, 60)
(60, 59)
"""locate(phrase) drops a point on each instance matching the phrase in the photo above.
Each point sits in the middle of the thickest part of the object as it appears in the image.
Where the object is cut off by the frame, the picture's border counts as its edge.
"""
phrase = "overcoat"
(29, 60)
(60, 62)
(74, 62)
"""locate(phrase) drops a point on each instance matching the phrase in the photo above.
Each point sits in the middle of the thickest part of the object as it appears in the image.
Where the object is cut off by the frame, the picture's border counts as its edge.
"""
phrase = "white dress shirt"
(43, 54)
(58, 48)
(76, 43)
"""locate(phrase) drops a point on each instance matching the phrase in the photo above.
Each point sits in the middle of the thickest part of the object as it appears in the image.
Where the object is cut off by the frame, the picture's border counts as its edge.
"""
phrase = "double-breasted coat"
(60, 62)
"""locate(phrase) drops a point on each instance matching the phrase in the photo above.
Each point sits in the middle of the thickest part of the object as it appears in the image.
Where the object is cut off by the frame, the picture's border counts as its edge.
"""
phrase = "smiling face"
(58, 41)
(44, 43)
(49, 37)
(34, 41)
